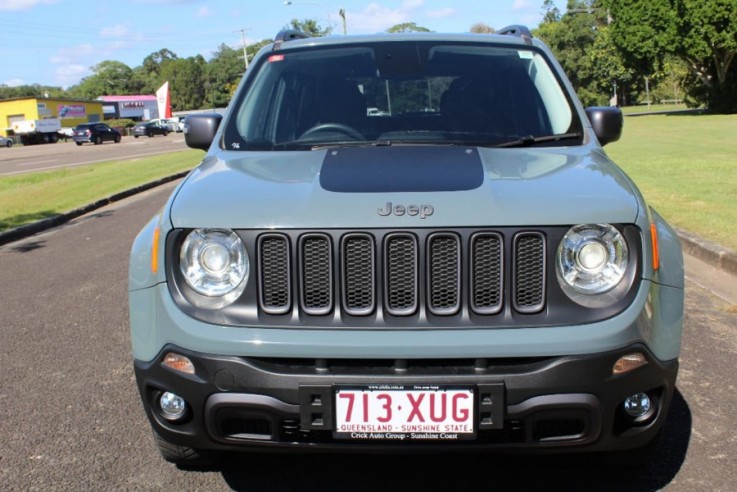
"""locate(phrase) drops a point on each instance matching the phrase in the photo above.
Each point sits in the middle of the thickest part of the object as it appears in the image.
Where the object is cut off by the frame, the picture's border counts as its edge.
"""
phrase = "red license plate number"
(405, 413)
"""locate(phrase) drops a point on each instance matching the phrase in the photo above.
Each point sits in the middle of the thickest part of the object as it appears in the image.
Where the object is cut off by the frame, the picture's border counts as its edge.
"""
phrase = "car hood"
(342, 188)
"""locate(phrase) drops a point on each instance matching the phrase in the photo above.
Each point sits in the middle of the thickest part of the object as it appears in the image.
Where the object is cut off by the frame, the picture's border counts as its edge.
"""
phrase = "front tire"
(98, 140)
(182, 455)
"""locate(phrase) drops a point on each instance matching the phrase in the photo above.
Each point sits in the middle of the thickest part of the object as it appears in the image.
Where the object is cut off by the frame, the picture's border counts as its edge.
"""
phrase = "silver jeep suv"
(403, 242)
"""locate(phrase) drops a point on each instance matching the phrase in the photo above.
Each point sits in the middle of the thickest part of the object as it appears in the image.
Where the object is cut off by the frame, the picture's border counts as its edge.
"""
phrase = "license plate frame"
(405, 412)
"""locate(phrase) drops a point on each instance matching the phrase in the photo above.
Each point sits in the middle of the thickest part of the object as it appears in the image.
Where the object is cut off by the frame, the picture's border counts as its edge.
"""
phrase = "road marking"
(33, 163)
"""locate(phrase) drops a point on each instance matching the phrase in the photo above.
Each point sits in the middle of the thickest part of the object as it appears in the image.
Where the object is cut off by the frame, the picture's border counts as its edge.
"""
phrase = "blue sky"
(56, 42)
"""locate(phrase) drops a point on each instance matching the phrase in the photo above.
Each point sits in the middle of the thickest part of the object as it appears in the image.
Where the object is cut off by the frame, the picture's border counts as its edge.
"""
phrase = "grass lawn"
(30, 197)
(686, 166)
(643, 108)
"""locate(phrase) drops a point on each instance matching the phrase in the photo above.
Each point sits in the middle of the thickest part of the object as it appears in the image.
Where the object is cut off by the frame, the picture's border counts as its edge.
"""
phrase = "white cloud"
(16, 5)
(522, 4)
(67, 75)
(14, 82)
(205, 12)
(376, 17)
(441, 13)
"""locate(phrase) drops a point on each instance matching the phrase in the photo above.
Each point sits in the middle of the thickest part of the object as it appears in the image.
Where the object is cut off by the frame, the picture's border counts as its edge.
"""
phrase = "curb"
(724, 259)
(34, 228)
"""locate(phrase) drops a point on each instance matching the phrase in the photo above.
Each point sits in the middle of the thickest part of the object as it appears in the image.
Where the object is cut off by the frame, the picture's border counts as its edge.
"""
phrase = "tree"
(186, 78)
(571, 38)
(311, 27)
(147, 77)
(34, 90)
(481, 28)
(407, 27)
(550, 12)
(702, 34)
(109, 77)
(222, 74)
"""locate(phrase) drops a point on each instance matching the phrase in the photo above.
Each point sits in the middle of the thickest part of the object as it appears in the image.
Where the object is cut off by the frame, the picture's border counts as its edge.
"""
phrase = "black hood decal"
(401, 169)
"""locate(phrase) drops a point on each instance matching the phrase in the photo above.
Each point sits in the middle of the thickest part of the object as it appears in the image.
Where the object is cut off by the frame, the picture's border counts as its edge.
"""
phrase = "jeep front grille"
(400, 273)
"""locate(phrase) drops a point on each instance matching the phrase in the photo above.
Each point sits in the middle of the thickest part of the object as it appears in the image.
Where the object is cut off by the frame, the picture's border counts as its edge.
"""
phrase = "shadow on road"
(456, 472)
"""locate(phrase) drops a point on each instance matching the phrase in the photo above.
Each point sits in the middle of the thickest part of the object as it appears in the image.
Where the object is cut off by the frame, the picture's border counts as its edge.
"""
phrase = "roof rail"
(517, 30)
(288, 35)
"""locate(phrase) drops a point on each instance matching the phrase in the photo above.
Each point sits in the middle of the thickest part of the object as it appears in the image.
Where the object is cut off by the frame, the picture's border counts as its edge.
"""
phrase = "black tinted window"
(401, 92)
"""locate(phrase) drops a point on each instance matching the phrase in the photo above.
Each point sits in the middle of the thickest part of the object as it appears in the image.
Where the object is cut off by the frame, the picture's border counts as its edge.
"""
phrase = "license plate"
(398, 412)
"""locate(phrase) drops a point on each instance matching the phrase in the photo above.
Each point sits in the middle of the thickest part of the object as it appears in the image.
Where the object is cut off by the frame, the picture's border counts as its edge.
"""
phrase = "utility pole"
(243, 40)
(341, 12)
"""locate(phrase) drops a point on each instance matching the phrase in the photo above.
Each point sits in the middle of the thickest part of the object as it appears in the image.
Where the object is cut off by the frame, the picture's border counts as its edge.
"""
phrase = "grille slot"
(316, 274)
(401, 259)
(359, 284)
(486, 273)
(275, 272)
(529, 272)
(444, 296)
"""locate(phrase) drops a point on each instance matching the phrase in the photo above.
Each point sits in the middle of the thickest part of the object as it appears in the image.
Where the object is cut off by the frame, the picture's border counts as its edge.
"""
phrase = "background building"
(137, 108)
(70, 112)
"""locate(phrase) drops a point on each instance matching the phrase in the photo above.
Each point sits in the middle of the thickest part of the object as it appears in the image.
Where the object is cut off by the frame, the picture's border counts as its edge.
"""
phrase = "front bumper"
(567, 403)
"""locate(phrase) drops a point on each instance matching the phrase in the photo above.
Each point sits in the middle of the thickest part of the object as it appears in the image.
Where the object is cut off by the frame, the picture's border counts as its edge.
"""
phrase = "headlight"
(214, 262)
(592, 258)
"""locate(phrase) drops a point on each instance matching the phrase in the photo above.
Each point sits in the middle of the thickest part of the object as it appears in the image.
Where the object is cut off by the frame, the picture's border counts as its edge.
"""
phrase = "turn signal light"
(155, 251)
(178, 363)
(629, 362)
(654, 239)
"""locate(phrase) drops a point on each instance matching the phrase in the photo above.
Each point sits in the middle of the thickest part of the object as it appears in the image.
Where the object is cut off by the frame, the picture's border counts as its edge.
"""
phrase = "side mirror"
(200, 130)
(607, 123)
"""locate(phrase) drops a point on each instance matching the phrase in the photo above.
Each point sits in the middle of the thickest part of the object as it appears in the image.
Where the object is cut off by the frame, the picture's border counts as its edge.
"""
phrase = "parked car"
(469, 271)
(66, 133)
(169, 124)
(96, 133)
(180, 123)
(5, 142)
(149, 129)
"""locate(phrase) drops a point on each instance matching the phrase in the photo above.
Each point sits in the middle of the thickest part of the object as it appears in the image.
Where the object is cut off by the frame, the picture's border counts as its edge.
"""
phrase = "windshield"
(395, 93)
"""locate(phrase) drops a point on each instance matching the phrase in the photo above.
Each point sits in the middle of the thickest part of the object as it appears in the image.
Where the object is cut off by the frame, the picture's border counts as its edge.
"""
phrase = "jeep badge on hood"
(424, 211)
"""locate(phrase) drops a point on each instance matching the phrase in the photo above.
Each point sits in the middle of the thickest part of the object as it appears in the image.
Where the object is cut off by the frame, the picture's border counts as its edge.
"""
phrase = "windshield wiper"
(529, 140)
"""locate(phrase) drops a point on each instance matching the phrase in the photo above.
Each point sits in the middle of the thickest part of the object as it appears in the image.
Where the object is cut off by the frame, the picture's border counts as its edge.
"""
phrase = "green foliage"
(121, 123)
(481, 28)
(186, 78)
(310, 26)
(34, 90)
(407, 27)
(571, 39)
(702, 34)
(109, 77)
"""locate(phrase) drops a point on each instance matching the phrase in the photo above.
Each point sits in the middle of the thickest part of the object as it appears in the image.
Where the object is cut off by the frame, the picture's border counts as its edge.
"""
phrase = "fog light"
(638, 406)
(173, 407)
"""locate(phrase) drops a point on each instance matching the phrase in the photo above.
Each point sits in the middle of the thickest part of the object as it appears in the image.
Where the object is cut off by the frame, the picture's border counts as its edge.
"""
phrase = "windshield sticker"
(525, 55)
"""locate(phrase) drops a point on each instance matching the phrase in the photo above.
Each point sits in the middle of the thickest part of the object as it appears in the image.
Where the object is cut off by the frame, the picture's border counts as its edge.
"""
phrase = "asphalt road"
(33, 158)
(70, 417)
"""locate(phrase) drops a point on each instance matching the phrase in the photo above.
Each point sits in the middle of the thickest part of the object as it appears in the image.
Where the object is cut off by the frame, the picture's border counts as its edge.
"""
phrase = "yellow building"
(71, 112)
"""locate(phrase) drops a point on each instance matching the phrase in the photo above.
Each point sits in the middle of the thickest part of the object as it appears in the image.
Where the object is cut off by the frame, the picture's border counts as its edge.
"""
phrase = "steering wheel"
(333, 127)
